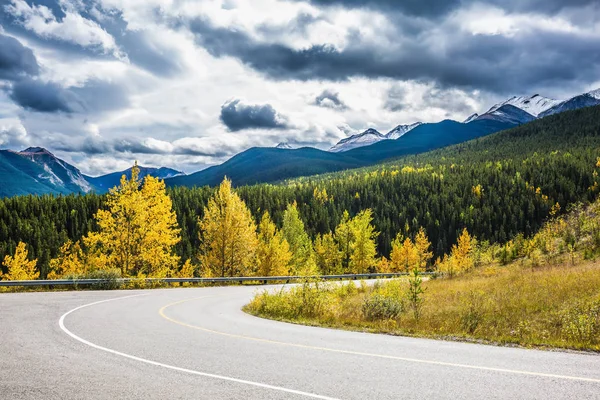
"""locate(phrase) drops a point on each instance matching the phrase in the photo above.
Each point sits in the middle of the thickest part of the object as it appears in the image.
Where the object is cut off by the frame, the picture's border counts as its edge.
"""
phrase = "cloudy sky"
(189, 83)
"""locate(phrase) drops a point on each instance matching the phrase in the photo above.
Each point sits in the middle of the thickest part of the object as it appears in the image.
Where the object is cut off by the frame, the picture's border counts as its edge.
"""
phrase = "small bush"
(378, 307)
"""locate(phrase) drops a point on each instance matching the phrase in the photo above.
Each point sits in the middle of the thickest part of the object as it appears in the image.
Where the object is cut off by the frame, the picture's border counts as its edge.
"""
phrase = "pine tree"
(137, 231)
(19, 267)
(328, 255)
(303, 262)
(227, 234)
(364, 248)
(273, 254)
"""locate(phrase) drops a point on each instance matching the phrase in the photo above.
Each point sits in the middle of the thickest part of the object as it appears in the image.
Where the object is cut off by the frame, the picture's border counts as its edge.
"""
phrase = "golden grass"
(555, 306)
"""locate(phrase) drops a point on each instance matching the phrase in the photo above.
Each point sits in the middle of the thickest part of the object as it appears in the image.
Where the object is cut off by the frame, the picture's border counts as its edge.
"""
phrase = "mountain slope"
(507, 113)
(260, 164)
(21, 176)
(104, 182)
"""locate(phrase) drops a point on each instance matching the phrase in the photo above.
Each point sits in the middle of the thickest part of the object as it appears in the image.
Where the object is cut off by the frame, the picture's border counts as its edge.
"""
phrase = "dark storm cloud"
(237, 116)
(16, 60)
(330, 99)
(495, 63)
(41, 96)
(49, 97)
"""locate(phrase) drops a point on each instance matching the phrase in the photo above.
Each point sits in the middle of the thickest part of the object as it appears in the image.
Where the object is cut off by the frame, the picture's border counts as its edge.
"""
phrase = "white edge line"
(61, 323)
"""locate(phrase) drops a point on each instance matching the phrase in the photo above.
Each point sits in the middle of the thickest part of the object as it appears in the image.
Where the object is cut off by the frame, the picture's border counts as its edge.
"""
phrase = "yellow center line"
(359, 353)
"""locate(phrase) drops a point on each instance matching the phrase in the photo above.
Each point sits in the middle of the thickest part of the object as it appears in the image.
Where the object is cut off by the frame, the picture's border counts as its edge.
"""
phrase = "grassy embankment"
(540, 292)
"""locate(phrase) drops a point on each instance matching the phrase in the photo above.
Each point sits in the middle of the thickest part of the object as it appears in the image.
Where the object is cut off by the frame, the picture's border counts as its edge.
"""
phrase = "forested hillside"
(497, 187)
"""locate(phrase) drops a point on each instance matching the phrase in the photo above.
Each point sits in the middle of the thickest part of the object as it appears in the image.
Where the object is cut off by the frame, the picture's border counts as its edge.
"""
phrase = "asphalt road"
(198, 344)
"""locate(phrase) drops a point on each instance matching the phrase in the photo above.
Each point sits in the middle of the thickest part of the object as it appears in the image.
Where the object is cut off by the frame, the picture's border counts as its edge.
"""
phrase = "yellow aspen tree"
(422, 250)
(137, 231)
(20, 268)
(344, 236)
(403, 257)
(303, 260)
(383, 265)
(447, 266)
(462, 252)
(188, 270)
(328, 254)
(364, 247)
(227, 234)
(70, 261)
(273, 254)
(160, 233)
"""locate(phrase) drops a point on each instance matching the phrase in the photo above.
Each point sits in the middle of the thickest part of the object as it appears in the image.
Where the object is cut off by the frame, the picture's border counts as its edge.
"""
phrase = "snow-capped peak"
(284, 145)
(471, 118)
(534, 105)
(401, 130)
(365, 138)
(595, 94)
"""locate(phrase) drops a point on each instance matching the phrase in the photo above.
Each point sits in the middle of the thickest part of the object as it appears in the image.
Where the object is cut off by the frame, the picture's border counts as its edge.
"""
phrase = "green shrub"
(378, 307)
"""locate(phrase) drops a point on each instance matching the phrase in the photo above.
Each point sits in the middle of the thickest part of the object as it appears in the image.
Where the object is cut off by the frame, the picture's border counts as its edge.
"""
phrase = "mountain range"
(516, 110)
(37, 171)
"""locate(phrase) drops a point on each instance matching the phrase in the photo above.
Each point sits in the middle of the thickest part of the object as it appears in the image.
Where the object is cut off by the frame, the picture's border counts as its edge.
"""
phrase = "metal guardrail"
(240, 279)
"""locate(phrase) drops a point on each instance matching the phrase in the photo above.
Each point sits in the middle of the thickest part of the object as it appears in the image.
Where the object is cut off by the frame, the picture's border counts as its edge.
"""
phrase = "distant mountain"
(507, 113)
(58, 172)
(365, 138)
(105, 182)
(260, 164)
(371, 136)
(284, 145)
(534, 105)
(589, 99)
(37, 171)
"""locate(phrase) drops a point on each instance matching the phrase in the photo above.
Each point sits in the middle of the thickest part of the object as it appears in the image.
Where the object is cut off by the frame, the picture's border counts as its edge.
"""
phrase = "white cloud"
(73, 28)
(173, 119)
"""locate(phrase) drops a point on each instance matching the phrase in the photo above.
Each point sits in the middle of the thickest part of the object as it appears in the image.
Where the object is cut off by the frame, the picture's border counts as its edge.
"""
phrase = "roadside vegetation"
(542, 291)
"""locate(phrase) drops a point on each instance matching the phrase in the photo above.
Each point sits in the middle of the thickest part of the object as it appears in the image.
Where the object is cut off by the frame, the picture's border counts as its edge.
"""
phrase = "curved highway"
(196, 343)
